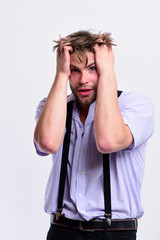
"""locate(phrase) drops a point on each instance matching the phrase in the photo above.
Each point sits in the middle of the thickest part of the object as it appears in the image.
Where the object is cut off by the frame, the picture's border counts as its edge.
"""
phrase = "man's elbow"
(47, 145)
(105, 146)
(113, 144)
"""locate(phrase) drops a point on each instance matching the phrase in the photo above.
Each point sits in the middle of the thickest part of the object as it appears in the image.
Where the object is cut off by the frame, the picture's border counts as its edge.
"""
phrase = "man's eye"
(74, 70)
(93, 68)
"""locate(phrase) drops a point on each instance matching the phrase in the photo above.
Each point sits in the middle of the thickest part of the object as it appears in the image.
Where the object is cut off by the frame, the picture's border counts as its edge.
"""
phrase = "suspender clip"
(108, 218)
(58, 214)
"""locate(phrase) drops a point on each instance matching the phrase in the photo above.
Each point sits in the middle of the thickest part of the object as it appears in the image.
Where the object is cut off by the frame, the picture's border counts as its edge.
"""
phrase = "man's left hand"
(104, 58)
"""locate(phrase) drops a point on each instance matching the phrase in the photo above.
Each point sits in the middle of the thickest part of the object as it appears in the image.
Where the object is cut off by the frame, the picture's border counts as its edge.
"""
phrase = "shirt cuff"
(39, 152)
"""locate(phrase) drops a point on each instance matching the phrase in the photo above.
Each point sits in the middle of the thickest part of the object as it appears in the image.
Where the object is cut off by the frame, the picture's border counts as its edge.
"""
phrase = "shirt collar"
(75, 115)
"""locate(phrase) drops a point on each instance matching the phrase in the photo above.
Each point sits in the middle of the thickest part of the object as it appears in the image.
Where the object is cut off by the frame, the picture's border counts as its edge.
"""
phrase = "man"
(101, 124)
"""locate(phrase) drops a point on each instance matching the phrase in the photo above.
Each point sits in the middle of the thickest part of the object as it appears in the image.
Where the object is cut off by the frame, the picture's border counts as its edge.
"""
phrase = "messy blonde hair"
(83, 42)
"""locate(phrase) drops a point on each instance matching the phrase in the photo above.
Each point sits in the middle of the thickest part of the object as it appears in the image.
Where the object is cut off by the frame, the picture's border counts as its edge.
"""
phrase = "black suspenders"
(106, 170)
(65, 152)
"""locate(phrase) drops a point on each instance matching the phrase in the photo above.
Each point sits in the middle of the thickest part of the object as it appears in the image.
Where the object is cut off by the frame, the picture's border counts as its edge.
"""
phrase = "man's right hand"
(63, 59)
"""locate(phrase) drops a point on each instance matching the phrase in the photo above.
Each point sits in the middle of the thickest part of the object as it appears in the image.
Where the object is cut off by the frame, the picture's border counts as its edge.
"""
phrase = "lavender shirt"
(84, 197)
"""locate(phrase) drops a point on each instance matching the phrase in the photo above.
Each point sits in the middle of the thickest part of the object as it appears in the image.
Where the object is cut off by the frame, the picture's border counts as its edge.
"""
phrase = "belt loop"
(80, 226)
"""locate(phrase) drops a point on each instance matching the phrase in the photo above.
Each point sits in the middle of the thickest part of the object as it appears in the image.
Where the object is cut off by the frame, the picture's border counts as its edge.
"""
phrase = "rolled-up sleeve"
(39, 110)
(138, 114)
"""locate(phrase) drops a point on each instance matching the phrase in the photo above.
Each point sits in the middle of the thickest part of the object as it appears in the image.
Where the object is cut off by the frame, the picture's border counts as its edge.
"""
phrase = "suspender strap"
(107, 188)
(119, 93)
(107, 184)
(63, 172)
(106, 169)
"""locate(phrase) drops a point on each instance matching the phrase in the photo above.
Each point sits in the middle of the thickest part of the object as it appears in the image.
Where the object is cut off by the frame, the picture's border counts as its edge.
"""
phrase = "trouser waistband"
(96, 225)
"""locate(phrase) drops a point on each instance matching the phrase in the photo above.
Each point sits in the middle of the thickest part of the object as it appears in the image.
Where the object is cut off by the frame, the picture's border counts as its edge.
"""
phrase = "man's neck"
(83, 111)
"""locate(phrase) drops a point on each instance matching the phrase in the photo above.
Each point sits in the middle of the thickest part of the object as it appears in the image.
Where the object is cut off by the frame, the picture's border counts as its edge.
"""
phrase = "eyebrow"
(71, 65)
(91, 64)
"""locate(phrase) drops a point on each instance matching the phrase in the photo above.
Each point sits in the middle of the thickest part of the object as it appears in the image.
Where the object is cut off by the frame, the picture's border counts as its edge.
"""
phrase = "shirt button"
(83, 150)
(81, 173)
(79, 195)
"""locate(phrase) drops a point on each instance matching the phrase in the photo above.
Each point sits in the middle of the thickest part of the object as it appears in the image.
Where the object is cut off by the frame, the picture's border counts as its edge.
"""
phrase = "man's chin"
(85, 101)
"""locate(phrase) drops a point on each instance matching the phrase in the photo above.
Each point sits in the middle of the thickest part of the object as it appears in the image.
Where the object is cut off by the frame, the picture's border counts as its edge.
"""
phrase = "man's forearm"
(111, 133)
(50, 128)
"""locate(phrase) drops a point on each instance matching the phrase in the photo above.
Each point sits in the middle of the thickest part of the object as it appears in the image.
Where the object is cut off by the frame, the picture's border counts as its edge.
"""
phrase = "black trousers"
(57, 232)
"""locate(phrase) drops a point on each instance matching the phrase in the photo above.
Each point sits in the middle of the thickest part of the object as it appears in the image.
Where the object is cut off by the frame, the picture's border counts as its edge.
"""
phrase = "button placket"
(80, 189)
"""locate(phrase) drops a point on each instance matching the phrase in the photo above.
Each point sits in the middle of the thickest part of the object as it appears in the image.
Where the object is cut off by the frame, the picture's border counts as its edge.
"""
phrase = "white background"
(27, 64)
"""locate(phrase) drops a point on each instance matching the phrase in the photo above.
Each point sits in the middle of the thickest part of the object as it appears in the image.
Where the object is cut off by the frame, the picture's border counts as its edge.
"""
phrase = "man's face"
(83, 79)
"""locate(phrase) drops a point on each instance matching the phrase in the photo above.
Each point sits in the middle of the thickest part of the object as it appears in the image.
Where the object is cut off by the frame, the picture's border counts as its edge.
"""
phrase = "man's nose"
(83, 78)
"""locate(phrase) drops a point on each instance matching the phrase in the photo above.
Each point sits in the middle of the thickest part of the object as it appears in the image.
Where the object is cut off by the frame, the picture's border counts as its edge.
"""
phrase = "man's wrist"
(62, 75)
(107, 72)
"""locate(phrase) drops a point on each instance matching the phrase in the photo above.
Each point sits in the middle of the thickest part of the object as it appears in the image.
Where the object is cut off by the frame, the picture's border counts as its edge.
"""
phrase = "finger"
(58, 51)
(64, 42)
(100, 40)
(67, 44)
(65, 49)
(61, 46)
(95, 47)
(68, 48)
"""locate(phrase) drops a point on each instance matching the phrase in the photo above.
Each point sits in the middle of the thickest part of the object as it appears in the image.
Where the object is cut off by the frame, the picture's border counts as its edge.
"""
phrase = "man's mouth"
(85, 91)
